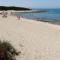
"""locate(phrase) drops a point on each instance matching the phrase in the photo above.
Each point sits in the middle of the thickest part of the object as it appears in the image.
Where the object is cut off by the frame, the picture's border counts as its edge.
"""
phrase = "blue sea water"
(50, 15)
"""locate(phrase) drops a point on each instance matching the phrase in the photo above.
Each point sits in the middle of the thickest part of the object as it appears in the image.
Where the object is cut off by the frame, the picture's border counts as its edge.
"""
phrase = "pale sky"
(32, 3)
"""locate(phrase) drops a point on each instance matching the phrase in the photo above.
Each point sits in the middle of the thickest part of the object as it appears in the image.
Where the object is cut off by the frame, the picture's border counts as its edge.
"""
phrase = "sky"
(31, 3)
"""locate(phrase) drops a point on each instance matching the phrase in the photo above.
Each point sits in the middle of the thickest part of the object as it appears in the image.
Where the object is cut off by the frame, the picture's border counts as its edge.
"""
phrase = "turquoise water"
(51, 15)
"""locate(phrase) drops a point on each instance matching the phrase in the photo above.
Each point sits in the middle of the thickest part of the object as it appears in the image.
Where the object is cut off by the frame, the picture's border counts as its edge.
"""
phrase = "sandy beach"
(36, 40)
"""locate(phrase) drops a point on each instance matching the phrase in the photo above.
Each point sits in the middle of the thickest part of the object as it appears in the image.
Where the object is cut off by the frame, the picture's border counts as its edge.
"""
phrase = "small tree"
(7, 51)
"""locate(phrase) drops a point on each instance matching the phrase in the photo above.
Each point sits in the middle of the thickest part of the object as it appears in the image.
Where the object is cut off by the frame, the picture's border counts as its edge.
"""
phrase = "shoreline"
(50, 21)
(46, 21)
(57, 22)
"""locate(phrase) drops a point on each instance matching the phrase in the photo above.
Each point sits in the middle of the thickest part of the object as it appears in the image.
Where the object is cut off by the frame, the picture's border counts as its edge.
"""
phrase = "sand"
(36, 40)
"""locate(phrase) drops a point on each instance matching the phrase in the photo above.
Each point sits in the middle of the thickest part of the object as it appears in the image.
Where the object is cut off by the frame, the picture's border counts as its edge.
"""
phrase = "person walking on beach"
(6, 14)
(18, 17)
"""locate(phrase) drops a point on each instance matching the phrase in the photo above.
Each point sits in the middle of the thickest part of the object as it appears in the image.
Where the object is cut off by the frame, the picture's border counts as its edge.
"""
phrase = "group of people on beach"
(18, 17)
(5, 14)
(14, 14)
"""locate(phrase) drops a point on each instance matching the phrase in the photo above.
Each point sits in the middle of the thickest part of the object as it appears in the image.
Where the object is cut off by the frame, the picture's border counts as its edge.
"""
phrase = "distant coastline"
(13, 8)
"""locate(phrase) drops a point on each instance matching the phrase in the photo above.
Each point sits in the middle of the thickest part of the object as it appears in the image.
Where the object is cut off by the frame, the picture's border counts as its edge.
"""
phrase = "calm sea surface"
(51, 15)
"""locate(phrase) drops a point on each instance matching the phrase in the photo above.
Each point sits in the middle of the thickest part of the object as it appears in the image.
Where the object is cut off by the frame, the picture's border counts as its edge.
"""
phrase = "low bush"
(7, 51)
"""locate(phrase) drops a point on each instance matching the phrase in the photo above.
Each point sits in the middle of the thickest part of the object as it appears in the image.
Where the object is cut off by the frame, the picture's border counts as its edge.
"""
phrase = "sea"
(52, 15)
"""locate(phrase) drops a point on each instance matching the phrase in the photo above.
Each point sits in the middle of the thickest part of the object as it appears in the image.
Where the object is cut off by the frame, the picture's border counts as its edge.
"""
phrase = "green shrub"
(7, 51)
